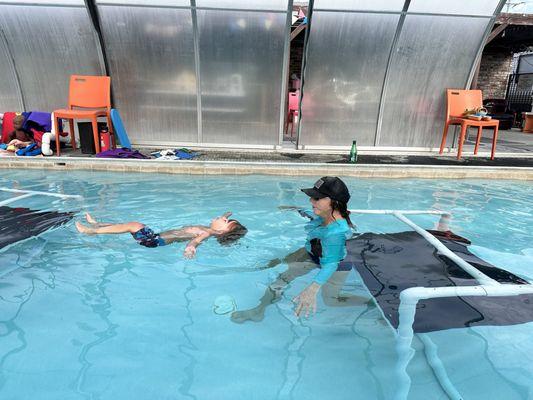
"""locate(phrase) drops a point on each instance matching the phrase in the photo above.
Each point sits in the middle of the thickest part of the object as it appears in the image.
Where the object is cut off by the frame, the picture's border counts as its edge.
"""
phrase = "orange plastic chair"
(457, 101)
(89, 97)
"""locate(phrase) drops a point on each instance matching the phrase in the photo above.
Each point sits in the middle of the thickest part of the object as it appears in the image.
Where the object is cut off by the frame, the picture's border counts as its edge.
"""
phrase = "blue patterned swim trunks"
(148, 238)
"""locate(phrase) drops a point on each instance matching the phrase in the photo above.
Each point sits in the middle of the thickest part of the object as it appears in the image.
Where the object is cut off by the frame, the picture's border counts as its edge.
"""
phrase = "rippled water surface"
(100, 317)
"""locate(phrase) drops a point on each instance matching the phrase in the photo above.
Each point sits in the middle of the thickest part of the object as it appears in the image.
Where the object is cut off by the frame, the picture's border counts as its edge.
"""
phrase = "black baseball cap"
(329, 186)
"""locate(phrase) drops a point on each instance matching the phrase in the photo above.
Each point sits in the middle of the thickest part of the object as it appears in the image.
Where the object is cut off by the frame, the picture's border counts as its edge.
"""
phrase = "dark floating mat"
(17, 224)
(391, 263)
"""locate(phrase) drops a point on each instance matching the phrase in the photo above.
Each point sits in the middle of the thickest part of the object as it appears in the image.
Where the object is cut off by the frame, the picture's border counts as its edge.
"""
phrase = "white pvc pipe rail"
(405, 212)
(11, 200)
(474, 272)
(30, 193)
(34, 192)
(410, 297)
(435, 362)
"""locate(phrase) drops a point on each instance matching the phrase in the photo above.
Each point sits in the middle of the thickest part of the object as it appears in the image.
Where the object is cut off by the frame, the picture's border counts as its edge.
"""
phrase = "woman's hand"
(288, 208)
(190, 252)
(306, 301)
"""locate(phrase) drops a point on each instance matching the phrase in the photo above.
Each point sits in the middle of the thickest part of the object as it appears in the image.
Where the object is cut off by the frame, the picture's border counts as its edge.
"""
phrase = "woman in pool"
(225, 230)
(327, 232)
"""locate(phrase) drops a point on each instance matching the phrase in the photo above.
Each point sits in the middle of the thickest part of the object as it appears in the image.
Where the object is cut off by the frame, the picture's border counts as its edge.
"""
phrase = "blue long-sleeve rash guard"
(330, 243)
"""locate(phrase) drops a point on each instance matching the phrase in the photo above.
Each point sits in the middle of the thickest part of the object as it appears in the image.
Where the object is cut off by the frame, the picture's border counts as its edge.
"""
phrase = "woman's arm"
(333, 251)
(306, 300)
(303, 212)
(190, 249)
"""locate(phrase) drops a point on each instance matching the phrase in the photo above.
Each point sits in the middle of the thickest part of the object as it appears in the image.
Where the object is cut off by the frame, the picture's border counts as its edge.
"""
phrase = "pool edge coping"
(193, 167)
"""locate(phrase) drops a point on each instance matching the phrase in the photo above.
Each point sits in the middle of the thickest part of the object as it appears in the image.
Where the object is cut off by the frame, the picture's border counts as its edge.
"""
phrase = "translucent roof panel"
(245, 4)
(458, 7)
(360, 5)
(151, 3)
(80, 3)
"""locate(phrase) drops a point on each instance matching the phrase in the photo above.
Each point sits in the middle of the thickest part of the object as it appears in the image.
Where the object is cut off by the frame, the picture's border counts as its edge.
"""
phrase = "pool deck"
(514, 160)
(298, 163)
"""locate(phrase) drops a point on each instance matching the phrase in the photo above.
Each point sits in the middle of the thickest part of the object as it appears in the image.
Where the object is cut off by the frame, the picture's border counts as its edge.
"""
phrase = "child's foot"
(90, 219)
(83, 229)
(255, 314)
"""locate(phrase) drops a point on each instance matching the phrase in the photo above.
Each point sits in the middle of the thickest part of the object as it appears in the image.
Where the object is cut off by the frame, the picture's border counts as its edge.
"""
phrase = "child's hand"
(190, 252)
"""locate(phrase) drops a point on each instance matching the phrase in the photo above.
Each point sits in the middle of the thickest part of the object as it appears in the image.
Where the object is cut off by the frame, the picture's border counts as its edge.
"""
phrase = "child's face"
(222, 223)
(17, 123)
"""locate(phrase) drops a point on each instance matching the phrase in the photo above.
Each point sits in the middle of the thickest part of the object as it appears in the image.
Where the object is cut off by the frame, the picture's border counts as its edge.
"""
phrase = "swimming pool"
(100, 317)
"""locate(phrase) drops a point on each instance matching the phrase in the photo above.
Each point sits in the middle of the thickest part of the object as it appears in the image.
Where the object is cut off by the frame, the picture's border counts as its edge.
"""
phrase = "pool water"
(100, 317)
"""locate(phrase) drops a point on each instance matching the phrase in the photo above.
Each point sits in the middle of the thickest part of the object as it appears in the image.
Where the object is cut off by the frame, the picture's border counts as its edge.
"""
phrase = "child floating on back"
(225, 230)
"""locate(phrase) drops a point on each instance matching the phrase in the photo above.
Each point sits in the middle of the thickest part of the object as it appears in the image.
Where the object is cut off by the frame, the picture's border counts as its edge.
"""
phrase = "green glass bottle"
(353, 152)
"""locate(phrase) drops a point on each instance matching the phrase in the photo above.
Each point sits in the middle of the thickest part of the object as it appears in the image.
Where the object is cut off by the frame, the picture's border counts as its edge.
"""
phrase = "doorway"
(295, 65)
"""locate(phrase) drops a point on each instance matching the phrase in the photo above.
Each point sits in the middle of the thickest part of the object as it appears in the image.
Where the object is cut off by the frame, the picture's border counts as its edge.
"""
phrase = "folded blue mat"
(185, 155)
(178, 154)
(31, 150)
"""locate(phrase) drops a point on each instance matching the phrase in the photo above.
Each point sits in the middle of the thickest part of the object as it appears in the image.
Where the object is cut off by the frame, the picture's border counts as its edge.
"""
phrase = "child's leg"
(129, 227)
(94, 223)
(90, 219)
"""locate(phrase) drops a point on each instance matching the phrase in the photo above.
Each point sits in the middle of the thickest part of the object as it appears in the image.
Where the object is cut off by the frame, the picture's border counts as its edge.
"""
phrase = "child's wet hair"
(228, 238)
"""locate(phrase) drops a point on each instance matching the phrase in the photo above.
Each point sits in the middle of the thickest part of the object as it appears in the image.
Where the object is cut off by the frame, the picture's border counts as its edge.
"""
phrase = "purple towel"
(42, 121)
(121, 153)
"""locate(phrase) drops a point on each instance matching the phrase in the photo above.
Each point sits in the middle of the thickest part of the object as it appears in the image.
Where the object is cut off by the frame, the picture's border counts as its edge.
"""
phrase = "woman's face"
(321, 207)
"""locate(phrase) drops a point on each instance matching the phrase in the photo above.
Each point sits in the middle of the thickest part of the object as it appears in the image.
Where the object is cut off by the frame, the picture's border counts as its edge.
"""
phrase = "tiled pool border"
(269, 168)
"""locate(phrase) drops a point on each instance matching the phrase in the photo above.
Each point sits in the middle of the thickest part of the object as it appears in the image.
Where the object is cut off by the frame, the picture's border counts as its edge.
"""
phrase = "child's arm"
(190, 249)
(19, 143)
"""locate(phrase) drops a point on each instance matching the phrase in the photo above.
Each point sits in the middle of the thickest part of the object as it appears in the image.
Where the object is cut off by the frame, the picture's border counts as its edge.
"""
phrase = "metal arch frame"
(285, 73)
(410, 297)
(477, 59)
(391, 57)
(390, 61)
(197, 61)
(386, 78)
(94, 27)
(197, 70)
(310, 10)
(92, 14)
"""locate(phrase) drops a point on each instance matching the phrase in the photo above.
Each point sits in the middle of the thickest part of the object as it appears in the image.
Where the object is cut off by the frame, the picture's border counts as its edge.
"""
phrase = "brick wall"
(494, 72)
(297, 50)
